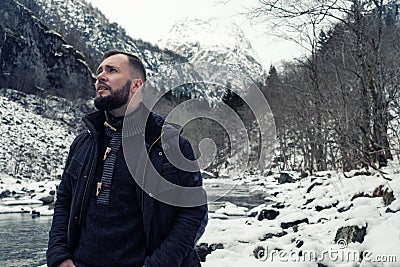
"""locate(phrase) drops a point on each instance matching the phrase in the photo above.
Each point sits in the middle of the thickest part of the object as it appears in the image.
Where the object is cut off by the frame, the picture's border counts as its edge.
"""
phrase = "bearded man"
(104, 214)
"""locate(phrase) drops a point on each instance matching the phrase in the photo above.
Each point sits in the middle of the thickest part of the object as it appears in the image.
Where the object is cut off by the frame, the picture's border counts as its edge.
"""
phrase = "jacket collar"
(154, 125)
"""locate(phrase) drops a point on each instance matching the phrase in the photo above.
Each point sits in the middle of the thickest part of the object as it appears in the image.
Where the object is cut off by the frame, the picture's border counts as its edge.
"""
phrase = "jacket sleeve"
(188, 227)
(58, 250)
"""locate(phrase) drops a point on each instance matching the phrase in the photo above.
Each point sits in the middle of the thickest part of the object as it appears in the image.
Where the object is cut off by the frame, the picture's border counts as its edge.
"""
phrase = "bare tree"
(363, 22)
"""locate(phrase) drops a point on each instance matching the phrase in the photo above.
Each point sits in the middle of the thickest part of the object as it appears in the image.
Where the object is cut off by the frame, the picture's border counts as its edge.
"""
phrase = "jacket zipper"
(145, 167)
(84, 192)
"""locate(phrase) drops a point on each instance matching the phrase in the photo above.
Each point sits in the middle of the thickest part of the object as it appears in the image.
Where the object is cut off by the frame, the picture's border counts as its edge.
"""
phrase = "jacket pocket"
(75, 168)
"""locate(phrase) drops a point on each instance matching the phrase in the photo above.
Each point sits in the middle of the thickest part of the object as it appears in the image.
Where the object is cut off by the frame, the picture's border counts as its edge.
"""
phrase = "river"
(23, 239)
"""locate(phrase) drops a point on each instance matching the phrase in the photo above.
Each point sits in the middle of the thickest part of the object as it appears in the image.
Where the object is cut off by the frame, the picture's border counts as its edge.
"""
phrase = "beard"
(116, 99)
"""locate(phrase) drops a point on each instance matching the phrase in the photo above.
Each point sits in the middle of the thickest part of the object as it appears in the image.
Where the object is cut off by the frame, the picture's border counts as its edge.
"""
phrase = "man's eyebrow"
(106, 67)
(99, 69)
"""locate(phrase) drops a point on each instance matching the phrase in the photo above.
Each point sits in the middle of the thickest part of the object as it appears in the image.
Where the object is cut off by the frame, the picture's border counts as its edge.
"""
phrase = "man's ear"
(136, 84)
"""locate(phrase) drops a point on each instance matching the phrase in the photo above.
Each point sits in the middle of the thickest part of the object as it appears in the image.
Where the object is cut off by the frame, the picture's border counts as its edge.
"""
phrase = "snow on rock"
(213, 215)
(21, 201)
(350, 203)
(26, 195)
(254, 211)
(231, 209)
(395, 206)
(292, 216)
(321, 204)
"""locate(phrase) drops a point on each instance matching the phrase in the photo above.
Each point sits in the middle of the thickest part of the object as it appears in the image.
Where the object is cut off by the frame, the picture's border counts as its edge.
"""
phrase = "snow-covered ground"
(325, 203)
(309, 213)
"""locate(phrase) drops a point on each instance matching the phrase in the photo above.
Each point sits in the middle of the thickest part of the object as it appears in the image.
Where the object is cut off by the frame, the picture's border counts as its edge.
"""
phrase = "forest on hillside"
(338, 107)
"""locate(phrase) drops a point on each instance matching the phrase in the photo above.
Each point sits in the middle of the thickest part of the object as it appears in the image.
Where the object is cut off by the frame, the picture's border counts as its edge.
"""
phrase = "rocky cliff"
(35, 59)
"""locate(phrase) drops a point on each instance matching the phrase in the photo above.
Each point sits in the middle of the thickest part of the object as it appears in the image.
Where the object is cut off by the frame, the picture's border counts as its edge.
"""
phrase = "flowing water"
(240, 195)
(23, 240)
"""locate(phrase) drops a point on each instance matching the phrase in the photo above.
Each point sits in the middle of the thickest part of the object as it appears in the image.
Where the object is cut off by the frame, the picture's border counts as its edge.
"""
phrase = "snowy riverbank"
(325, 219)
(23, 195)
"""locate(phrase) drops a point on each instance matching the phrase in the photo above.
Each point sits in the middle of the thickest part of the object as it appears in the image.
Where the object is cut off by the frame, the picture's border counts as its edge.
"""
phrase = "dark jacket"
(171, 232)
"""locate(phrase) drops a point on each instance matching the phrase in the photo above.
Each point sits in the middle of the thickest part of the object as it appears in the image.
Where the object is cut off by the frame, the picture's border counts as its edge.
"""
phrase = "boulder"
(278, 205)
(382, 191)
(345, 208)
(393, 207)
(5, 193)
(203, 249)
(267, 214)
(362, 172)
(285, 178)
(323, 207)
(299, 243)
(303, 174)
(47, 200)
(286, 225)
(351, 234)
(275, 194)
(388, 197)
(271, 235)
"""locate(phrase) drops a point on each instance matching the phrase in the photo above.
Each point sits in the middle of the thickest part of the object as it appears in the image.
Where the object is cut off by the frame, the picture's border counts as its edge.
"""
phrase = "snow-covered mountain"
(214, 40)
(90, 32)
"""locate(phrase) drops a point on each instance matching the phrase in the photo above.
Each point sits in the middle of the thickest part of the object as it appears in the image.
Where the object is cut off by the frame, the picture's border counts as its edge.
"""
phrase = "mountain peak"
(210, 31)
(215, 40)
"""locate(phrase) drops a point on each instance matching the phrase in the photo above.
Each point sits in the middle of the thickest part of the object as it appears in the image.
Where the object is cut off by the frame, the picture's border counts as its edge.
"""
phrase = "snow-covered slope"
(35, 134)
(214, 40)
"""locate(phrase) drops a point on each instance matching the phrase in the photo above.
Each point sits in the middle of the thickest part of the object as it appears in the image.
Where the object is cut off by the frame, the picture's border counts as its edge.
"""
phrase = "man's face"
(113, 83)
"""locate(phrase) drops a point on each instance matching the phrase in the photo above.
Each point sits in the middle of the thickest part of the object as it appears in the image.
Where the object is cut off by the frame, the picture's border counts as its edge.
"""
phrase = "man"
(104, 214)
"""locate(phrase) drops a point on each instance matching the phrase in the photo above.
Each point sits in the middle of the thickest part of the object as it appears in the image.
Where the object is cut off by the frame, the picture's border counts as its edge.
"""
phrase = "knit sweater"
(113, 235)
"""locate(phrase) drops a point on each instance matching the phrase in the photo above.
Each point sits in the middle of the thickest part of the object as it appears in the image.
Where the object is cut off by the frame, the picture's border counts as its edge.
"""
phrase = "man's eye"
(113, 70)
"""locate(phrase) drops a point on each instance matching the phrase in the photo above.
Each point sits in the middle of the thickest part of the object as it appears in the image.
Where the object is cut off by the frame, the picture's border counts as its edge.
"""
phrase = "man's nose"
(101, 77)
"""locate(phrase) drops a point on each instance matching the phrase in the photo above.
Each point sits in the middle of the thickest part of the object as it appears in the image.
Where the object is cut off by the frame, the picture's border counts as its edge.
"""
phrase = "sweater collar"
(153, 126)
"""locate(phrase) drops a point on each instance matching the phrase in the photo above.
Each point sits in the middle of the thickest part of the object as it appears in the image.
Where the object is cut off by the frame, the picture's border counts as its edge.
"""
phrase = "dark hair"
(134, 61)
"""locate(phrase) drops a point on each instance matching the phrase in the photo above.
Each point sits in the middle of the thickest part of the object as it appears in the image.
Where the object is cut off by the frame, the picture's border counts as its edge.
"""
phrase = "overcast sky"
(149, 20)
